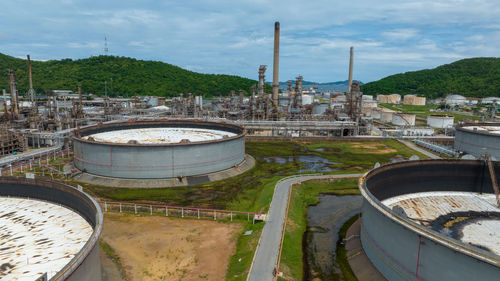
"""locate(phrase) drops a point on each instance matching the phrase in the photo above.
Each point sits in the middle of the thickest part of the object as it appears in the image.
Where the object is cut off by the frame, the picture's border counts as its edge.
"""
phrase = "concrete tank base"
(247, 164)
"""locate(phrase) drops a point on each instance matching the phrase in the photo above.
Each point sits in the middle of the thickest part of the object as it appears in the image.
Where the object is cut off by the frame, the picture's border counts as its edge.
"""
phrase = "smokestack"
(80, 103)
(13, 93)
(351, 62)
(276, 65)
(31, 91)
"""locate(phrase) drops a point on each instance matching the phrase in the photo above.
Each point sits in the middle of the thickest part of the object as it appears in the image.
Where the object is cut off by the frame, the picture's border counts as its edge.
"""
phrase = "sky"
(236, 36)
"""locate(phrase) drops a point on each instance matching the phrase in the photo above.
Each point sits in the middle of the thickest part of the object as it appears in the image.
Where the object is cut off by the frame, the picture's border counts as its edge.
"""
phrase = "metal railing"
(434, 147)
(40, 159)
(167, 210)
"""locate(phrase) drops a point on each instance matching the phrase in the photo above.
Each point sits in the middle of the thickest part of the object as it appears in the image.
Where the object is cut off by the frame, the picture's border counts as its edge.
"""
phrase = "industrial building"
(158, 149)
(478, 139)
(432, 220)
(49, 230)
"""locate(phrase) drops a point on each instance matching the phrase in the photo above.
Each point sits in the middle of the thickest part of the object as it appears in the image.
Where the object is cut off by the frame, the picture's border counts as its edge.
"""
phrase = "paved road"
(266, 256)
(423, 151)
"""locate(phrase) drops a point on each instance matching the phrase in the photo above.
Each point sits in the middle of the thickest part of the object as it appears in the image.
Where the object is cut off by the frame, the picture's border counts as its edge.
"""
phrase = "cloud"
(400, 34)
(235, 37)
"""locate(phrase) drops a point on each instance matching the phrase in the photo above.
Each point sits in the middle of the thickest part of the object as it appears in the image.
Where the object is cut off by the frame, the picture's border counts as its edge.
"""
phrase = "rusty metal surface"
(85, 265)
(38, 237)
(469, 217)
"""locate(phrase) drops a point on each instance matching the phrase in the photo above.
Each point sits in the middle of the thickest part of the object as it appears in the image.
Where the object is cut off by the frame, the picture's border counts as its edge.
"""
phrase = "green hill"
(476, 77)
(130, 76)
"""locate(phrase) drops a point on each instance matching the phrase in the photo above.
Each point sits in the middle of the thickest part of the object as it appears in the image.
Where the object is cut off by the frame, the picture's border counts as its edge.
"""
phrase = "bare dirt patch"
(373, 148)
(161, 248)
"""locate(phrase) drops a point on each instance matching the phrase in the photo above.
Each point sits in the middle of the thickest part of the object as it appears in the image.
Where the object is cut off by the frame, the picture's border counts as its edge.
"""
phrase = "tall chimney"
(80, 103)
(31, 90)
(351, 61)
(13, 93)
(276, 65)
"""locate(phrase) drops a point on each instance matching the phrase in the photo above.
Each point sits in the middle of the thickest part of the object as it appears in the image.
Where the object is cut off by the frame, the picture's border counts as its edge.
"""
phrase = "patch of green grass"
(341, 252)
(304, 195)
(361, 156)
(239, 265)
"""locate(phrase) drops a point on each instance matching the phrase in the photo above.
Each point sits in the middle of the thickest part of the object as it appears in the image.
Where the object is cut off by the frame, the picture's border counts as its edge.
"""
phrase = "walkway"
(266, 256)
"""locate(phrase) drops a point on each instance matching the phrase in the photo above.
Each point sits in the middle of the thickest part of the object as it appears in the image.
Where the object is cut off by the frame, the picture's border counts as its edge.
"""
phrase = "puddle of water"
(324, 221)
(311, 162)
(397, 158)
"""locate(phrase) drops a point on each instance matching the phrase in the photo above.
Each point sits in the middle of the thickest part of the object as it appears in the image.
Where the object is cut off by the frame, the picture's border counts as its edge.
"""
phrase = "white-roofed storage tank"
(440, 121)
(158, 149)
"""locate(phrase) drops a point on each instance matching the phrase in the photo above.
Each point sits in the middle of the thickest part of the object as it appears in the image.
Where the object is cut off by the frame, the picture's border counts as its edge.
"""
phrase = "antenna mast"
(105, 46)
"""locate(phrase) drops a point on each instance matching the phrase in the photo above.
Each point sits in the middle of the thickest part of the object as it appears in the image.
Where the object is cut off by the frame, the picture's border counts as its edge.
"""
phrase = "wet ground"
(311, 162)
(324, 221)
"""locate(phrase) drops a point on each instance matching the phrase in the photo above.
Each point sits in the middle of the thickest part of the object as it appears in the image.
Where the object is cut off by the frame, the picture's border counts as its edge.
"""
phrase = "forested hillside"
(476, 77)
(124, 76)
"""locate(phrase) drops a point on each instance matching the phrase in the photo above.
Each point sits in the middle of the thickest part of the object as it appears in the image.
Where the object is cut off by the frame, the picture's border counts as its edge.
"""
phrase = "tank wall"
(394, 251)
(158, 161)
(89, 269)
(403, 119)
(477, 144)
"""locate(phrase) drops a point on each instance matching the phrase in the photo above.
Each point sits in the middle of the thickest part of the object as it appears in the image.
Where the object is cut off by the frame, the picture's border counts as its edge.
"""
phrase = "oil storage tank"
(440, 121)
(478, 139)
(158, 149)
(403, 119)
(48, 230)
(432, 220)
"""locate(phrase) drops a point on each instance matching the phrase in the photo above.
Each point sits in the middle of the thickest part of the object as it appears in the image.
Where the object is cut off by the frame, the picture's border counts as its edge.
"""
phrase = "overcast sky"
(236, 36)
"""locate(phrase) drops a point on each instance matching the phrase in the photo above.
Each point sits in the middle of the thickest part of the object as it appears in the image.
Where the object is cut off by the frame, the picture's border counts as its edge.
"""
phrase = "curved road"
(266, 255)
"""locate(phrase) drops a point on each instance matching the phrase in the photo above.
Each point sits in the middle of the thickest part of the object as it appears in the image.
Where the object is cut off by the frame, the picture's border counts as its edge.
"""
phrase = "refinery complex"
(421, 219)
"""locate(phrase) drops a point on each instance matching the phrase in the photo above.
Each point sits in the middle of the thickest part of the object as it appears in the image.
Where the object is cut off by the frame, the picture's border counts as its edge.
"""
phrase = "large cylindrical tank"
(403, 119)
(440, 121)
(320, 108)
(307, 99)
(478, 139)
(48, 228)
(431, 220)
(158, 149)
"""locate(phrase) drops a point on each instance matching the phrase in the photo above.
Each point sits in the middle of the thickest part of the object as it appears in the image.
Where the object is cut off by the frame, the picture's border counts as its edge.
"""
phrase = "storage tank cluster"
(158, 149)
(440, 121)
(393, 98)
(431, 220)
(49, 231)
(478, 139)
